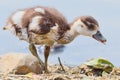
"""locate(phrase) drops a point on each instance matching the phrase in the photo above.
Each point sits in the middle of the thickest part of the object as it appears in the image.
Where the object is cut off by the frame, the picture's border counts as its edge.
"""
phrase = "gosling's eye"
(91, 26)
(82, 26)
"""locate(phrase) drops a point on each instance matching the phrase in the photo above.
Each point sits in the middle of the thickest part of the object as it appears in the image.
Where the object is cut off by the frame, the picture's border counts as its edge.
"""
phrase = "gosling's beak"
(99, 37)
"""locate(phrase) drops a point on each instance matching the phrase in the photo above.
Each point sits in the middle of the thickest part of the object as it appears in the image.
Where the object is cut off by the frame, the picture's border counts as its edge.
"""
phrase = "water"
(82, 48)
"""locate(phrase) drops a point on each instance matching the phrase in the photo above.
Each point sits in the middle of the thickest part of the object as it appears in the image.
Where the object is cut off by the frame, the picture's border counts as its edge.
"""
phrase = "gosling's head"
(88, 26)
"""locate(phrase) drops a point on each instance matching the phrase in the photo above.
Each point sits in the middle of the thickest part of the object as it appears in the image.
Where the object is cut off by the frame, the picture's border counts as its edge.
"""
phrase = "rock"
(19, 63)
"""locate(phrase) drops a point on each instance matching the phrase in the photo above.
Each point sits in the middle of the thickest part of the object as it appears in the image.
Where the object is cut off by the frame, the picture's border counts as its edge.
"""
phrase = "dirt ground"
(69, 73)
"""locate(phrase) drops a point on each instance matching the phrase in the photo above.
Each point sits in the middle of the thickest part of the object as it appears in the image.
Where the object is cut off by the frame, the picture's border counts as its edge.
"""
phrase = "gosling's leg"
(46, 54)
(33, 50)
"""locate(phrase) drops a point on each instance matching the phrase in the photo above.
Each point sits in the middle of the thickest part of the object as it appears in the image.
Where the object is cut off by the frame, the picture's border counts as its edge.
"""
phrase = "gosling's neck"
(71, 34)
(75, 29)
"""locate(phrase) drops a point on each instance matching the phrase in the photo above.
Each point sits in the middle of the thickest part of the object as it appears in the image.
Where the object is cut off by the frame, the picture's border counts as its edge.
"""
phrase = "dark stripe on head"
(90, 22)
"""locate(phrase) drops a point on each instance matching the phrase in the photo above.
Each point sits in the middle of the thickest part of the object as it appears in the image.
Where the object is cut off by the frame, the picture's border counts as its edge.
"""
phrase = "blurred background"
(83, 48)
